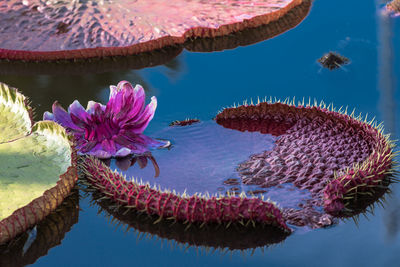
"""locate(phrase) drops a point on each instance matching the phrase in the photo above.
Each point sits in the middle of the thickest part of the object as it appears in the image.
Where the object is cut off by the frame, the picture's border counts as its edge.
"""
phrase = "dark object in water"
(185, 122)
(333, 60)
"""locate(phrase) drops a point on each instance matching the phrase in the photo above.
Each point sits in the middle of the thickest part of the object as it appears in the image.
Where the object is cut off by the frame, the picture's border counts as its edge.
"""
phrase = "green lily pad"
(37, 165)
(15, 114)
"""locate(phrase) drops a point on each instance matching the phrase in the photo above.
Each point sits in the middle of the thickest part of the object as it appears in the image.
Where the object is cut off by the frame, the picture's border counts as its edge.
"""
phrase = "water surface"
(200, 84)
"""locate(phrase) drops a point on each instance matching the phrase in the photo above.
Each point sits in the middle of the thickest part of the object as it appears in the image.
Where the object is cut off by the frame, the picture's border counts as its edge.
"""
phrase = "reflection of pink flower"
(112, 130)
(126, 162)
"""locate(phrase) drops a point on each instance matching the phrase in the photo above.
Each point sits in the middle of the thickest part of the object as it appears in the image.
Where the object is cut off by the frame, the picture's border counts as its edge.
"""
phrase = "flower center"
(100, 127)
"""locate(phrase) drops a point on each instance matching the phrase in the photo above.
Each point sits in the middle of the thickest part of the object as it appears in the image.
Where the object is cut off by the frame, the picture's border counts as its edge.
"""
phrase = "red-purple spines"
(187, 209)
(360, 179)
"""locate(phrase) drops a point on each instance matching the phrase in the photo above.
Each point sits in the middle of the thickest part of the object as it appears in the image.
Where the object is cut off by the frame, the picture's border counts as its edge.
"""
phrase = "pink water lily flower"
(112, 130)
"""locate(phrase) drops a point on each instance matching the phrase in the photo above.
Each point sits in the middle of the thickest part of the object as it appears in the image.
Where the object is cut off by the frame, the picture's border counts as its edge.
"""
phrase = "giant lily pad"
(37, 30)
(338, 157)
(38, 166)
(317, 163)
(190, 209)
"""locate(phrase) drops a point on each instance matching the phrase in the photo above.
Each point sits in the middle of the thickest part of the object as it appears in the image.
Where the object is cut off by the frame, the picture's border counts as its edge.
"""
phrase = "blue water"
(201, 158)
(200, 84)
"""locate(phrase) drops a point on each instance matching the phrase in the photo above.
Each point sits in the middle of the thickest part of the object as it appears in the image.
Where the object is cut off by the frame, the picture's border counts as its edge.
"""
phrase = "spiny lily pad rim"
(346, 185)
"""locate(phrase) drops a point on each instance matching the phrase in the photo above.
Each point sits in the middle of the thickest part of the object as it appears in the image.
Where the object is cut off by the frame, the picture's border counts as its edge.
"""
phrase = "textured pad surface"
(137, 25)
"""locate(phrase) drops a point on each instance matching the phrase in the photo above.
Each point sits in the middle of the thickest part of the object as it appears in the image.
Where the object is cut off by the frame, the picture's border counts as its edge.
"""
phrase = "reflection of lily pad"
(90, 66)
(49, 233)
(210, 236)
(38, 166)
(252, 35)
(79, 29)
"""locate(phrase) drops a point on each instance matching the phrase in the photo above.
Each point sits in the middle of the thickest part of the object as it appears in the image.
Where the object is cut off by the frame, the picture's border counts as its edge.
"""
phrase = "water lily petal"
(138, 149)
(77, 109)
(123, 107)
(154, 143)
(91, 106)
(122, 140)
(85, 147)
(48, 116)
(138, 125)
(109, 146)
(123, 152)
(78, 122)
(126, 103)
(115, 103)
(138, 104)
(135, 146)
(113, 129)
(98, 152)
(146, 140)
(113, 91)
(124, 85)
(62, 117)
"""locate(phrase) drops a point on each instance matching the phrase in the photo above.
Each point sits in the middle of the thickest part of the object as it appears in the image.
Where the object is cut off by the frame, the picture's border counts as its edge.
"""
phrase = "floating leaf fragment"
(185, 122)
(333, 60)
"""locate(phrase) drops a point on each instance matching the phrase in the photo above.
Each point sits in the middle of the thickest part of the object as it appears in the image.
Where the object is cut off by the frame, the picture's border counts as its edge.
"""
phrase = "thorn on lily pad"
(333, 60)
